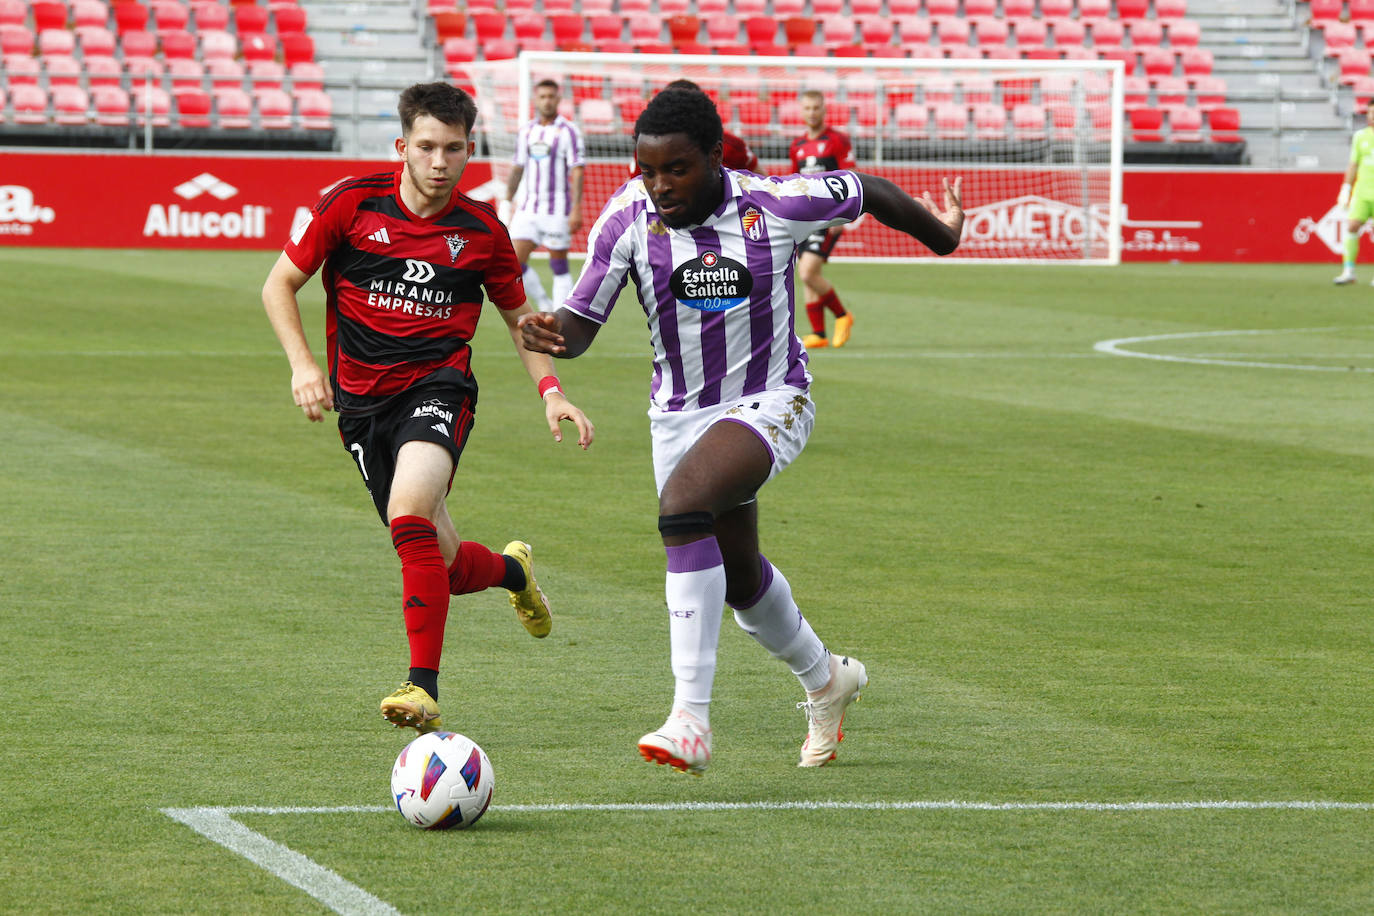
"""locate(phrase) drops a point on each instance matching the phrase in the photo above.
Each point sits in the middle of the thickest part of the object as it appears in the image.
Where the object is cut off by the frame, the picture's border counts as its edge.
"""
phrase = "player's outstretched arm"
(309, 384)
(562, 334)
(557, 407)
(922, 219)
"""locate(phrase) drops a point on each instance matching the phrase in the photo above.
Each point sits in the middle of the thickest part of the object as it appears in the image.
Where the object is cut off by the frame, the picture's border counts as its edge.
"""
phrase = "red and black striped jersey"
(830, 152)
(403, 292)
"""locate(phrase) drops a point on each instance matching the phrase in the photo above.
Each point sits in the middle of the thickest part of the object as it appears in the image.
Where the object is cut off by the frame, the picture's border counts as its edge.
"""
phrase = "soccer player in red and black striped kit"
(820, 149)
(406, 258)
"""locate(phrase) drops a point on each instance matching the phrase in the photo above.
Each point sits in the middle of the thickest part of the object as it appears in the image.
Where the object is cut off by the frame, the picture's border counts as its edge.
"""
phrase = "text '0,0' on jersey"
(403, 292)
(718, 296)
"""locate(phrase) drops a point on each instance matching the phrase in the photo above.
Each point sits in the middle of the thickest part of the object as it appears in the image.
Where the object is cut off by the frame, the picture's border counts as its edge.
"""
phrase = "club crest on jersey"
(711, 283)
(455, 245)
(751, 223)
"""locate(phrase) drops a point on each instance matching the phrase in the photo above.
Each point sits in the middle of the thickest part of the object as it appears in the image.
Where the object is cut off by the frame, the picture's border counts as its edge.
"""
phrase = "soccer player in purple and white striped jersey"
(549, 159)
(711, 254)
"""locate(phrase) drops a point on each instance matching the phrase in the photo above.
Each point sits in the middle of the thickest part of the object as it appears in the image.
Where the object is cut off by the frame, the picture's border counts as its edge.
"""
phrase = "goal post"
(1037, 142)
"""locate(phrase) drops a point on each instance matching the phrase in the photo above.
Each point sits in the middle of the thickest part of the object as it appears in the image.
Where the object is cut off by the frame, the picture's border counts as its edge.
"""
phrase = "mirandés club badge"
(711, 283)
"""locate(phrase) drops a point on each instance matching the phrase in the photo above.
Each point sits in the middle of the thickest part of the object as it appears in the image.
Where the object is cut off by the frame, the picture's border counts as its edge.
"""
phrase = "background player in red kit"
(406, 258)
(820, 149)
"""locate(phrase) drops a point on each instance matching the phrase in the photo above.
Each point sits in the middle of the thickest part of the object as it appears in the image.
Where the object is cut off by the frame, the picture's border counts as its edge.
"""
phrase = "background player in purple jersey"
(548, 157)
(406, 259)
(711, 253)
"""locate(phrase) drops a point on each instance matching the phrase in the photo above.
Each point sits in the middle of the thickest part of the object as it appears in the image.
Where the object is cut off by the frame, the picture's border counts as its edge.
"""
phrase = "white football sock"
(777, 624)
(562, 285)
(534, 288)
(695, 590)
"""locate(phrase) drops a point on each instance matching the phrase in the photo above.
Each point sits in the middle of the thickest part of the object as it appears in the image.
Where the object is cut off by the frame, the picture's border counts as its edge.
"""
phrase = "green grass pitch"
(1076, 576)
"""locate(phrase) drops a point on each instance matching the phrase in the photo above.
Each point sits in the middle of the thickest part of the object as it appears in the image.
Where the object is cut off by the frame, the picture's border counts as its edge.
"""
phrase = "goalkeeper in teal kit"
(1358, 193)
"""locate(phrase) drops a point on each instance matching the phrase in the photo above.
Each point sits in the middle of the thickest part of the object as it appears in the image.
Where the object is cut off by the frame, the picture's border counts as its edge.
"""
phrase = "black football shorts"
(443, 416)
(822, 242)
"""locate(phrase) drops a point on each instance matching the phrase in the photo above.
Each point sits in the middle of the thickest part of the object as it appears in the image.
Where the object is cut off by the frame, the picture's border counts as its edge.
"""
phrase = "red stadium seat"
(1130, 9)
(1147, 125)
(1118, 53)
(224, 72)
(1184, 33)
(111, 105)
(989, 122)
(683, 28)
(258, 46)
(315, 108)
(1171, 90)
(1107, 32)
(1157, 61)
(911, 120)
(185, 74)
(48, 15)
(289, 19)
(265, 74)
(527, 25)
(297, 47)
(13, 12)
(991, 31)
(837, 30)
(875, 31)
(1195, 62)
(137, 44)
(1146, 33)
(61, 42)
(500, 49)
(217, 45)
(712, 7)
(1321, 10)
(951, 30)
(1056, 9)
(1210, 91)
(821, 8)
(249, 19)
(1016, 92)
(1185, 124)
(102, 70)
(178, 44)
(449, 24)
(897, 8)
(799, 30)
(1224, 125)
(865, 7)
(1031, 33)
(1136, 92)
(22, 69)
(170, 15)
(1028, 122)
(1354, 62)
(95, 41)
(1361, 88)
(1063, 121)
(143, 69)
(233, 108)
(760, 30)
(488, 25)
(1171, 9)
(62, 70)
(951, 121)
(1361, 10)
(151, 101)
(606, 27)
(30, 104)
(210, 15)
(458, 51)
(596, 116)
(721, 29)
(914, 30)
(275, 109)
(193, 108)
(306, 75)
(90, 13)
(1018, 9)
(130, 17)
(644, 27)
(937, 8)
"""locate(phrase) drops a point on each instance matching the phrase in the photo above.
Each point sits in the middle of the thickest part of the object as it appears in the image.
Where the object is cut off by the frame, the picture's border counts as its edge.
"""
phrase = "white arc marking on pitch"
(1116, 348)
(324, 885)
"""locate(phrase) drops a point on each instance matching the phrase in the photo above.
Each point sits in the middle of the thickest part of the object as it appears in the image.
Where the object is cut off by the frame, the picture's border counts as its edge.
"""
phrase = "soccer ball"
(442, 780)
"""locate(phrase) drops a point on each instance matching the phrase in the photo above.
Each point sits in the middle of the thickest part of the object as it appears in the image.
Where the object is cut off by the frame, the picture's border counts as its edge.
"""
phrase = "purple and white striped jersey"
(547, 152)
(718, 296)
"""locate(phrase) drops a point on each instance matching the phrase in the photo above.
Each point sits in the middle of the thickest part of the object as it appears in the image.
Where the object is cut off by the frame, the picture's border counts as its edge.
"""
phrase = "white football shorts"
(547, 229)
(782, 418)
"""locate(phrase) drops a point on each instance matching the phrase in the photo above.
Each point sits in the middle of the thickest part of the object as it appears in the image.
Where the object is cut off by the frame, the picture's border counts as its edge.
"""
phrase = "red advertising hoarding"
(129, 200)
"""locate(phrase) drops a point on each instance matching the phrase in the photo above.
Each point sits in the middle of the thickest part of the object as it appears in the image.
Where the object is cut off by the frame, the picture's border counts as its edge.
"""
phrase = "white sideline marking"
(1117, 348)
(341, 896)
(326, 886)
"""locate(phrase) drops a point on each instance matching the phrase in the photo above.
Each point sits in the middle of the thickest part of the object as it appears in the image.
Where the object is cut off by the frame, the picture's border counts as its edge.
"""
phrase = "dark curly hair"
(442, 101)
(682, 111)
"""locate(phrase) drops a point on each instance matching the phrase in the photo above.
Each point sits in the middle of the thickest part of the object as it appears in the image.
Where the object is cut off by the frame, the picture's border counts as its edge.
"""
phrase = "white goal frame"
(1086, 155)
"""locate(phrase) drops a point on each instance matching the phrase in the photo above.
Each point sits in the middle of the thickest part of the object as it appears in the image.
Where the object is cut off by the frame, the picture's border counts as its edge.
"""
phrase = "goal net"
(1038, 143)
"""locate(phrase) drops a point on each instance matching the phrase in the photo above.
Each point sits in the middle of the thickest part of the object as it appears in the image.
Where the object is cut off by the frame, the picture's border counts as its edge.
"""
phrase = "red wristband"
(549, 383)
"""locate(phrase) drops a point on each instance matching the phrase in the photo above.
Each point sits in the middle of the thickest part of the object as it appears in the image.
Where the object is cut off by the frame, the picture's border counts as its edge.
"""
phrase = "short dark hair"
(683, 84)
(682, 111)
(553, 84)
(442, 101)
